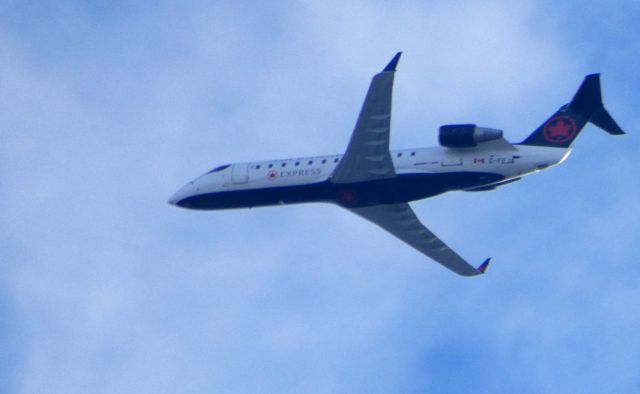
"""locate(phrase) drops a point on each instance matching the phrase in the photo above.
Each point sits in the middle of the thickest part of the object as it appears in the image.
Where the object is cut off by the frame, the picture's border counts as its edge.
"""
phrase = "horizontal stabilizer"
(602, 119)
(588, 102)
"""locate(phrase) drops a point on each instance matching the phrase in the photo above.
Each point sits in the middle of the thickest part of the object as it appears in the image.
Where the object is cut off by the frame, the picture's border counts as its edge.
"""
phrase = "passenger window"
(270, 165)
(258, 167)
(297, 163)
(399, 154)
(310, 162)
(335, 160)
(284, 164)
(324, 161)
(413, 153)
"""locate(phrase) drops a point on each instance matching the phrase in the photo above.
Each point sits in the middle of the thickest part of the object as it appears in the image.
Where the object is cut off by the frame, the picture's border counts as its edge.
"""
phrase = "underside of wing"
(367, 157)
(402, 222)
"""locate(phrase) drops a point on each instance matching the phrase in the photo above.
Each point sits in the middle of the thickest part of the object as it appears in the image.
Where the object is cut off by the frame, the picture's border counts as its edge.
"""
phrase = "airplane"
(377, 184)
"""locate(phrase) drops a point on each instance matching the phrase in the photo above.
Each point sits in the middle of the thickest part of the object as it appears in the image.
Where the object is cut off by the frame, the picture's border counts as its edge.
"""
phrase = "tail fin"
(564, 126)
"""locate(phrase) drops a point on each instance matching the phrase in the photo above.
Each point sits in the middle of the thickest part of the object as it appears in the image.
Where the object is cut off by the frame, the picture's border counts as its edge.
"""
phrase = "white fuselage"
(509, 163)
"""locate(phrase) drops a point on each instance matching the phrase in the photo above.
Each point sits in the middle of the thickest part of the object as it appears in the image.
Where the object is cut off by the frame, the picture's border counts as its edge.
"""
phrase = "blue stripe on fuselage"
(402, 188)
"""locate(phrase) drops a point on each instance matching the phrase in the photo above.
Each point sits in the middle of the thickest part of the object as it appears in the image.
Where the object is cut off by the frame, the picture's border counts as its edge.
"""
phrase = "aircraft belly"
(402, 188)
(409, 187)
(412, 187)
(259, 197)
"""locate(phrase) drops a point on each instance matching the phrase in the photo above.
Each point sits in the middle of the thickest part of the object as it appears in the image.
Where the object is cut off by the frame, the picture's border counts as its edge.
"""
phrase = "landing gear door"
(240, 173)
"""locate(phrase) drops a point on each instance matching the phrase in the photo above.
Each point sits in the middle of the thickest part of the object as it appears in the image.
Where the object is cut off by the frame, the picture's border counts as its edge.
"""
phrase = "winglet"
(483, 267)
(393, 63)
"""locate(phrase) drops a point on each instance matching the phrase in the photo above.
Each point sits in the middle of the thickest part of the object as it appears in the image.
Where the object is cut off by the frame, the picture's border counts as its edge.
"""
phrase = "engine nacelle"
(466, 135)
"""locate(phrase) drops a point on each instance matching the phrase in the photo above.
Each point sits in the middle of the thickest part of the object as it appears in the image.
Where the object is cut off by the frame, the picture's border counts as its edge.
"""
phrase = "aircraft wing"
(367, 157)
(401, 221)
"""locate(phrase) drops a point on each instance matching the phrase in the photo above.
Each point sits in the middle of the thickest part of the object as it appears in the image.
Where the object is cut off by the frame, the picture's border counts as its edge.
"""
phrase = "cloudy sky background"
(108, 107)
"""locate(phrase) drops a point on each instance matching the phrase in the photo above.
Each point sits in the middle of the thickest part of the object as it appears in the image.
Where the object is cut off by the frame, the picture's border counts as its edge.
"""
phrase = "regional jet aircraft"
(377, 184)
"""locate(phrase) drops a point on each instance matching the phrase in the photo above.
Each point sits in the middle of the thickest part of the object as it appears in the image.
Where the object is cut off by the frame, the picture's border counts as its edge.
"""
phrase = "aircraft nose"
(180, 195)
(173, 200)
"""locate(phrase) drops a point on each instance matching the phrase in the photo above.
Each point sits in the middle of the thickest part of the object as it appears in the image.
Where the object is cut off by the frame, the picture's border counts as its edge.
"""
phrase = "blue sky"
(108, 107)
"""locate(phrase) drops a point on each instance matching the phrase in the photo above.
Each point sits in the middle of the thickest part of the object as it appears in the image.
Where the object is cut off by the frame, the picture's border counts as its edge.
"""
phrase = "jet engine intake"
(466, 135)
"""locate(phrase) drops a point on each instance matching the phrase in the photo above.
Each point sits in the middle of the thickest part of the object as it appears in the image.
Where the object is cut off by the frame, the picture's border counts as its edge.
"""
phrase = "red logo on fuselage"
(272, 175)
(560, 129)
(347, 197)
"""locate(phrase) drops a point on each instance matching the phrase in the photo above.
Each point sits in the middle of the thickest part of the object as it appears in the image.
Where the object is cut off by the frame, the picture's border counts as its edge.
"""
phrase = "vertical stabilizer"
(562, 128)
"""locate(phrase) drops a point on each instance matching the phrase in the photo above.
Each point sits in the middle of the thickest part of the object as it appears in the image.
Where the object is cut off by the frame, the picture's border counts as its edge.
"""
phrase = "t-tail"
(564, 126)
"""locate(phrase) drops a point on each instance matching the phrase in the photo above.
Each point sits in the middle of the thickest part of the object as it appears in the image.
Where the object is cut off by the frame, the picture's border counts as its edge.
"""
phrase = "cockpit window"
(217, 169)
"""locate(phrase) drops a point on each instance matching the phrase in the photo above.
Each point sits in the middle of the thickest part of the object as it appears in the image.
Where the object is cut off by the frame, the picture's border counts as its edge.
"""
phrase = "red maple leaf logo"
(560, 129)
(347, 197)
